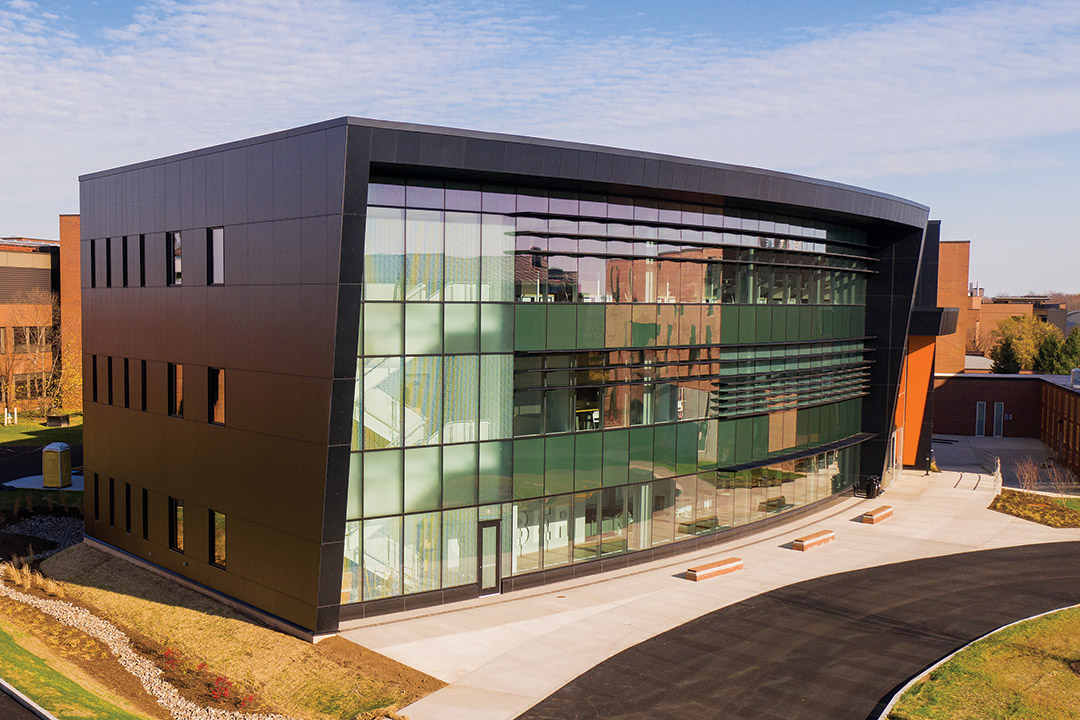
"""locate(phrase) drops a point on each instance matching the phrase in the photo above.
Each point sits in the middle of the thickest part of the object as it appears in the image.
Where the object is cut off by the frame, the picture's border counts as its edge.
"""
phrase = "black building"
(359, 366)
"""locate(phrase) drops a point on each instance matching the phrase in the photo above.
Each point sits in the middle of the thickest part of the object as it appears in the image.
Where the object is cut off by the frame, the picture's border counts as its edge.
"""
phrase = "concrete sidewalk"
(502, 655)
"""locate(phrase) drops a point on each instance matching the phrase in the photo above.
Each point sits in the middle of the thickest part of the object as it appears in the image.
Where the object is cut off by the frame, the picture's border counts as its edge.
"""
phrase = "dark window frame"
(215, 395)
(211, 267)
(142, 379)
(176, 525)
(97, 494)
(174, 258)
(108, 262)
(112, 502)
(109, 379)
(175, 373)
(212, 544)
(127, 384)
(145, 514)
(127, 508)
(93, 379)
(93, 263)
(142, 261)
(124, 261)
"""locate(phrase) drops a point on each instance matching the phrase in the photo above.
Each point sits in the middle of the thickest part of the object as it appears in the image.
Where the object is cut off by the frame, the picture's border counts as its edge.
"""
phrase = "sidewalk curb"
(925, 672)
(25, 701)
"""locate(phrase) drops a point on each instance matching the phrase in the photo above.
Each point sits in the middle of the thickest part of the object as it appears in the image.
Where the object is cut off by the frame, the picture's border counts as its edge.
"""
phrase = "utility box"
(56, 465)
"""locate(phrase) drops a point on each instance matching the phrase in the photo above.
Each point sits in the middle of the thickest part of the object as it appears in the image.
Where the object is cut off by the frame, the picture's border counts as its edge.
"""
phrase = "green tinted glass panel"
(561, 327)
(496, 471)
(530, 327)
(729, 324)
(641, 454)
(354, 506)
(590, 326)
(761, 437)
(763, 327)
(559, 465)
(616, 457)
(423, 328)
(588, 461)
(496, 328)
(384, 254)
(461, 328)
(747, 326)
(744, 440)
(383, 482)
(423, 479)
(528, 468)
(664, 451)
(423, 255)
(725, 443)
(459, 473)
(686, 456)
(383, 329)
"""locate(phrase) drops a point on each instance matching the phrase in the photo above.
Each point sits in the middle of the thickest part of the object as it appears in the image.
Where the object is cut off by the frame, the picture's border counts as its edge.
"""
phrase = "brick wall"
(955, 399)
(71, 305)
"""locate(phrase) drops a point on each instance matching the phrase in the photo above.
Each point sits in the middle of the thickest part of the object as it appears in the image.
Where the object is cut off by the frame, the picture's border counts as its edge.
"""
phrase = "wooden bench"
(873, 517)
(720, 567)
(813, 540)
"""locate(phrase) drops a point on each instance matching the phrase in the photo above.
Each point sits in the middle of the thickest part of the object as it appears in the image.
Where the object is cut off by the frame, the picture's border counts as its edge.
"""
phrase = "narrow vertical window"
(172, 258)
(176, 390)
(215, 256)
(108, 262)
(980, 418)
(176, 524)
(112, 502)
(145, 514)
(93, 263)
(215, 386)
(93, 378)
(108, 379)
(124, 261)
(142, 384)
(217, 539)
(142, 261)
(97, 494)
(127, 507)
(127, 386)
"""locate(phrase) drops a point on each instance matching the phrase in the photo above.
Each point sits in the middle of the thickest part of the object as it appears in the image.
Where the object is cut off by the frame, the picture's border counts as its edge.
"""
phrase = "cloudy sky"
(971, 108)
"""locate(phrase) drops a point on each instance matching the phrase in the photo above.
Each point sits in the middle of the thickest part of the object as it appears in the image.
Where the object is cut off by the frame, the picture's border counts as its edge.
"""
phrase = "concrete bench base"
(875, 516)
(808, 542)
(720, 567)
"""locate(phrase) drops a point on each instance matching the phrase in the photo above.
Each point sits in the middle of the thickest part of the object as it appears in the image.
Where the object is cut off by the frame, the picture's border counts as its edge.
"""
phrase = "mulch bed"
(1036, 508)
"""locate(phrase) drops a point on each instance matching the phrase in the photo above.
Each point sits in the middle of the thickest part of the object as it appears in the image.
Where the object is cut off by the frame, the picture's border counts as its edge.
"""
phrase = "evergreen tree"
(1049, 359)
(1070, 351)
(1005, 357)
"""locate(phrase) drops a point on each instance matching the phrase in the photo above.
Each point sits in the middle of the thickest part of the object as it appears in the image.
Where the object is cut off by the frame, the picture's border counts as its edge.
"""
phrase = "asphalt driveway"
(831, 648)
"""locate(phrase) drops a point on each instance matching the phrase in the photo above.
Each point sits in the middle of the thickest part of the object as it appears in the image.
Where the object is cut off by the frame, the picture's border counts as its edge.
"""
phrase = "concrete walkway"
(504, 654)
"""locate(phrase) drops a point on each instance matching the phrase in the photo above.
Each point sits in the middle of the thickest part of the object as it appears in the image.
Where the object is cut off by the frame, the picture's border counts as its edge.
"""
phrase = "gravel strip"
(64, 531)
(118, 643)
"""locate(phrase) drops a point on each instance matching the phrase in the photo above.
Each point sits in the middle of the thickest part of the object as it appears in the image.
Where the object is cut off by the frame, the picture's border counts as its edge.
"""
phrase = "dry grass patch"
(334, 680)
(1043, 509)
(1030, 671)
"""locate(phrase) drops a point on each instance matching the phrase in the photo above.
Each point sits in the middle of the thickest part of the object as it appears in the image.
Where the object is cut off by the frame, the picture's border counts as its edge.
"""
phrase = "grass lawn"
(31, 432)
(1039, 508)
(37, 499)
(1030, 671)
(50, 689)
(334, 680)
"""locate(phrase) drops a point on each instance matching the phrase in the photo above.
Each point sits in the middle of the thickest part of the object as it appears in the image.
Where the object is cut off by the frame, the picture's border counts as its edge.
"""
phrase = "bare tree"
(1027, 473)
(8, 362)
(977, 344)
(1060, 481)
(36, 337)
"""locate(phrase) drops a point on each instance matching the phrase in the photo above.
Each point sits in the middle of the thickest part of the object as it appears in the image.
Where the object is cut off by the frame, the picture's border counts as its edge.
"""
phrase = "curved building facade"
(460, 363)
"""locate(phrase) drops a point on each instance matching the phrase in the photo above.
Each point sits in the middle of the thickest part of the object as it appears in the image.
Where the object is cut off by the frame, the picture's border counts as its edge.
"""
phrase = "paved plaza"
(504, 654)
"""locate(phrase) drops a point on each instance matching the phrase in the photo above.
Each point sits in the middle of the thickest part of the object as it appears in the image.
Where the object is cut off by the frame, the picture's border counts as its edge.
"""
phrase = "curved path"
(833, 648)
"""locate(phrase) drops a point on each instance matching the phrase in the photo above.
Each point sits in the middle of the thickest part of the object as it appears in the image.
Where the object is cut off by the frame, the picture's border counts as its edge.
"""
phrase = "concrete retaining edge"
(907, 686)
(25, 701)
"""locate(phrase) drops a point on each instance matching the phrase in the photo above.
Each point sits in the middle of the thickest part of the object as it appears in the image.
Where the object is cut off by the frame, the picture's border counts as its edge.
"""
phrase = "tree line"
(1023, 342)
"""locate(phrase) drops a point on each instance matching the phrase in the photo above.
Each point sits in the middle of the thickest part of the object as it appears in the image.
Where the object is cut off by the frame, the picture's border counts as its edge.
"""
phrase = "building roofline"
(351, 121)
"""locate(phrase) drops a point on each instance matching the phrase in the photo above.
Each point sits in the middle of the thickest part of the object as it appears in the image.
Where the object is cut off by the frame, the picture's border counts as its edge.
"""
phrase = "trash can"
(56, 465)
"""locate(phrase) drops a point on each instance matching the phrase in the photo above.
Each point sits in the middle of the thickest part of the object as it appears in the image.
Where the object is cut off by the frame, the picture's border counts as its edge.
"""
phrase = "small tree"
(1060, 481)
(1050, 358)
(1026, 333)
(36, 317)
(1027, 474)
(1005, 358)
(1070, 349)
(976, 344)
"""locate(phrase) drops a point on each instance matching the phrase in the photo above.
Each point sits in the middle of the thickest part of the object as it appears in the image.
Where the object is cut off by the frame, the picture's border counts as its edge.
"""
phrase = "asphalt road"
(11, 710)
(832, 648)
(19, 461)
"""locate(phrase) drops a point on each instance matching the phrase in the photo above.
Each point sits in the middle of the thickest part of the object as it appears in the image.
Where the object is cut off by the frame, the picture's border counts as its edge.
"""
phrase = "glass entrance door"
(489, 557)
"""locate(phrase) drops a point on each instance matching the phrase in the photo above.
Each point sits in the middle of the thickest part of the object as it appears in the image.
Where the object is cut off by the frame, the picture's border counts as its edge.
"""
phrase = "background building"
(359, 367)
(29, 286)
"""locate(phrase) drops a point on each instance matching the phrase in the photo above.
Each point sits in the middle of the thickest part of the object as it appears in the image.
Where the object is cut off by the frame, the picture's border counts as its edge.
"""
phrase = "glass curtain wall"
(593, 371)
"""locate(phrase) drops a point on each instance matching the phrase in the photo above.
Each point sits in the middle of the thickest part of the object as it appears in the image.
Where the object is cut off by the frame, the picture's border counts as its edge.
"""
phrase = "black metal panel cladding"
(250, 184)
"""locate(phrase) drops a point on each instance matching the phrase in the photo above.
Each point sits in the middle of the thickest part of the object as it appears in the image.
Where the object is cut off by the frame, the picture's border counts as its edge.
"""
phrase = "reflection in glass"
(350, 566)
(462, 397)
(423, 255)
(422, 550)
(525, 537)
(382, 558)
(587, 535)
(384, 254)
(459, 547)
(557, 530)
(382, 403)
(462, 258)
(423, 400)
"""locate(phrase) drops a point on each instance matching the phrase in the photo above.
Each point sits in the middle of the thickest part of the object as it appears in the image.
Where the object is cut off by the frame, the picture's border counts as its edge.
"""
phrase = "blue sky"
(972, 108)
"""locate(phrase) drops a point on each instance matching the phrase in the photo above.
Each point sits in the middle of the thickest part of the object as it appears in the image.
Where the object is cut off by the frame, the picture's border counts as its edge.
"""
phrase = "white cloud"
(913, 94)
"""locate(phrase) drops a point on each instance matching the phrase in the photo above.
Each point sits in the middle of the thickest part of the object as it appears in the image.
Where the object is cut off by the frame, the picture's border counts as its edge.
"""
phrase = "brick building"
(29, 278)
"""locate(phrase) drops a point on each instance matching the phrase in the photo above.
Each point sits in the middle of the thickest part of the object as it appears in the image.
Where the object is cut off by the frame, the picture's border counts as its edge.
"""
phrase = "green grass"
(31, 433)
(1030, 671)
(39, 498)
(51, 690)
